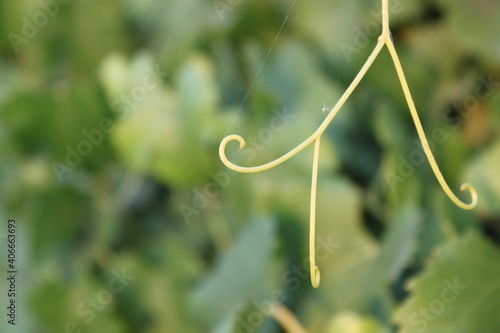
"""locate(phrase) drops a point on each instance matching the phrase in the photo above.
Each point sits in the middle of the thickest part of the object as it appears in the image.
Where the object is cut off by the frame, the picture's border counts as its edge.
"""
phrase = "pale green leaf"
(238, 275)
(459, 292)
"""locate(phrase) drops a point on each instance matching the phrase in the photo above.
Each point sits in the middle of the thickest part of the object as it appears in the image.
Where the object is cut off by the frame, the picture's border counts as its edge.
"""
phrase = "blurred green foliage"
(111, 113)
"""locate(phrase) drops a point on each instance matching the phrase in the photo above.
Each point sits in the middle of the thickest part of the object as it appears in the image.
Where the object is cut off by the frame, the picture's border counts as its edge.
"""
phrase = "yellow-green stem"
(384, 40)
(315, 272)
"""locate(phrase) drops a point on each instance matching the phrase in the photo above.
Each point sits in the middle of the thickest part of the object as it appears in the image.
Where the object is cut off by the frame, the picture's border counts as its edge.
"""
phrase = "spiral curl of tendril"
(384, 40)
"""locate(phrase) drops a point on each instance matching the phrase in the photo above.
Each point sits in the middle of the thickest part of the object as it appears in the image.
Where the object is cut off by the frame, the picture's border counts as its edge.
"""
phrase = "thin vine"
(384, 39)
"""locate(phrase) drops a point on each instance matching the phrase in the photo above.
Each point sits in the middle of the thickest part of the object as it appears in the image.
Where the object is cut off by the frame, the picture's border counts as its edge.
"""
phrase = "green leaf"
(459, 292)
(359, 287)
(47, 210)
(399, 243)
(238, 276)
(169, 134)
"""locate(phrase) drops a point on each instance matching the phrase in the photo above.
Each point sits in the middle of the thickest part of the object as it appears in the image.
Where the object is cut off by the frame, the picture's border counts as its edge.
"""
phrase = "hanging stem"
(315, 272)
(384, 39)
(423, 138)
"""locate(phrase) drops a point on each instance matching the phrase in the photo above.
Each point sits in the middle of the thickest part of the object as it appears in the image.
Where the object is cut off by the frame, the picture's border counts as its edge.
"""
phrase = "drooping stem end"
(473, 194)
(315, 277)
(315, 273)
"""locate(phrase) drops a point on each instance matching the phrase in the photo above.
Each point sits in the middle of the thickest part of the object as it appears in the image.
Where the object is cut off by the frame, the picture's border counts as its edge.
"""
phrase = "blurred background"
(111, 115)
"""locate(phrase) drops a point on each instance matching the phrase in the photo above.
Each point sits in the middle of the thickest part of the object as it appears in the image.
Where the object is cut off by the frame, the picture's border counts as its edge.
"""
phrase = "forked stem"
(384, 39)
(315, 137)
(333, 112)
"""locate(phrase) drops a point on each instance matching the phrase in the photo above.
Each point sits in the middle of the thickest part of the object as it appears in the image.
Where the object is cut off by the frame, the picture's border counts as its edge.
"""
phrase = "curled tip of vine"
(316, 277)
(473, 194)
(222, 149)
(233, 137)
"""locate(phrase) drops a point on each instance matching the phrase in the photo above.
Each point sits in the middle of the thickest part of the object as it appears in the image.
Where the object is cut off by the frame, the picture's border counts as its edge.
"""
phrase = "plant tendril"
(385, 39)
